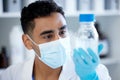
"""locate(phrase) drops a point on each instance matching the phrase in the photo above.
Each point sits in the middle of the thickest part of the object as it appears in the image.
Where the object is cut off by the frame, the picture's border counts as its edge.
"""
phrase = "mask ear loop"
(32, 40)
(35, 44)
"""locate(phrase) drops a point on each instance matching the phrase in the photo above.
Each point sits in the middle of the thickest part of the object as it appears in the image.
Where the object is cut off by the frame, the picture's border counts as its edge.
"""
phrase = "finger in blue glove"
(100, 48)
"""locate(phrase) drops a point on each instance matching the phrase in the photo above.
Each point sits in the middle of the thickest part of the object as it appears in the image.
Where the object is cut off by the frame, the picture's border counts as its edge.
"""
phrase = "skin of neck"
(43, 72)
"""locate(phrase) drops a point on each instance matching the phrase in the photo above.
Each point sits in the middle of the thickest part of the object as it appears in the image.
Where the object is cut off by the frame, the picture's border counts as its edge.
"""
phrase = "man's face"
(49, 28)
(46, 29)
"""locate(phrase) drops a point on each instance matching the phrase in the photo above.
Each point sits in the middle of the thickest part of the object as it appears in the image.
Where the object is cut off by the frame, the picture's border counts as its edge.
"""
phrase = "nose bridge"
(57, 36)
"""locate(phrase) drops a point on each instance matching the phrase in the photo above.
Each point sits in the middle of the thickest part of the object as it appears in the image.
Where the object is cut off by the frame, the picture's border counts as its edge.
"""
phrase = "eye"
(48, 36)
(62, 33)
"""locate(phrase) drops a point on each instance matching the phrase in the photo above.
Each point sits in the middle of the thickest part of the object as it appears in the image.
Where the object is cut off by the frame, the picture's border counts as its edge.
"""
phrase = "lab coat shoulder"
(103, 72)
(22, 71)
(11, 72)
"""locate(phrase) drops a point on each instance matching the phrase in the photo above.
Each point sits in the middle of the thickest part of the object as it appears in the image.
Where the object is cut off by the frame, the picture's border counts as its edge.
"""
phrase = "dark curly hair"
(37, 9)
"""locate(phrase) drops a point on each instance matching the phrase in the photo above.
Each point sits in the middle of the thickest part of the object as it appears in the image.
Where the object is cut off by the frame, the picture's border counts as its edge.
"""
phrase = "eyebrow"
(63, 27)
(47, 32)
(51, 31)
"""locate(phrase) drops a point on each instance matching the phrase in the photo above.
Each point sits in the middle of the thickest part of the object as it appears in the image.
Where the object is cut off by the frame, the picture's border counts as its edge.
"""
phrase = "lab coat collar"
(28, 68)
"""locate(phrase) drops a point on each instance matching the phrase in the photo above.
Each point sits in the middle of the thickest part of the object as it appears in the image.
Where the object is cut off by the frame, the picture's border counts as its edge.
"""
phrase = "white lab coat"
(24, 70)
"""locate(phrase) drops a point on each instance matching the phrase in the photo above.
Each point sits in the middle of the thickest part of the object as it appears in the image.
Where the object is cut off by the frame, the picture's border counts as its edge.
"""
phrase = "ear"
(26, 41)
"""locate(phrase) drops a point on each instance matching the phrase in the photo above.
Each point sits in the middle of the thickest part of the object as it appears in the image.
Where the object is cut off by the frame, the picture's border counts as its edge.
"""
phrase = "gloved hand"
(86, 63)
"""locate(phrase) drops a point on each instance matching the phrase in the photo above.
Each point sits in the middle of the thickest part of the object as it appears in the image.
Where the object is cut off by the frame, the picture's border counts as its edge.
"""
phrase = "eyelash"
(50, 36)
(62, 32)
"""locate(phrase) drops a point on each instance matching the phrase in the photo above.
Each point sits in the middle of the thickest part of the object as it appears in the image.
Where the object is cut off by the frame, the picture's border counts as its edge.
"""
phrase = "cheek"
(36, 49)
(36, 35)
(41, 41)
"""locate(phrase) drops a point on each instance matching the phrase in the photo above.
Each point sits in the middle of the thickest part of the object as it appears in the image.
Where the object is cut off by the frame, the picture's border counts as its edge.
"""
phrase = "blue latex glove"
(86, 63)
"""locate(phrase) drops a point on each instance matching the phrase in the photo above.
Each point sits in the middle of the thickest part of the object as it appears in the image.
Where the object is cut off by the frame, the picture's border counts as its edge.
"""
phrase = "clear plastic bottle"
(87, 36)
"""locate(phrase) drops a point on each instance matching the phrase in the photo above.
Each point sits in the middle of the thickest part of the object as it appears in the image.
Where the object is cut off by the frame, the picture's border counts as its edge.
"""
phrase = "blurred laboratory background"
(107, 13)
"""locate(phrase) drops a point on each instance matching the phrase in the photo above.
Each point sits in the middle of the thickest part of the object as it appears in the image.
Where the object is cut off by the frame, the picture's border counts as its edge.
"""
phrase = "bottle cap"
(86, 18)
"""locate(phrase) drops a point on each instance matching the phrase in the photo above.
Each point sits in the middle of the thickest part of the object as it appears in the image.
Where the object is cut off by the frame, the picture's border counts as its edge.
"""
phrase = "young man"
(45, 32)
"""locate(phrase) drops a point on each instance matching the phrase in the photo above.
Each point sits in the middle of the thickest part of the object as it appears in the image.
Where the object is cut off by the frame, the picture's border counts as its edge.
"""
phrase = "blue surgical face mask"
(54, 53)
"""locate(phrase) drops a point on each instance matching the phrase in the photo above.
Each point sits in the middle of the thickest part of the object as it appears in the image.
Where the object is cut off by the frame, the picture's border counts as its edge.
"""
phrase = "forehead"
(54, 21)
